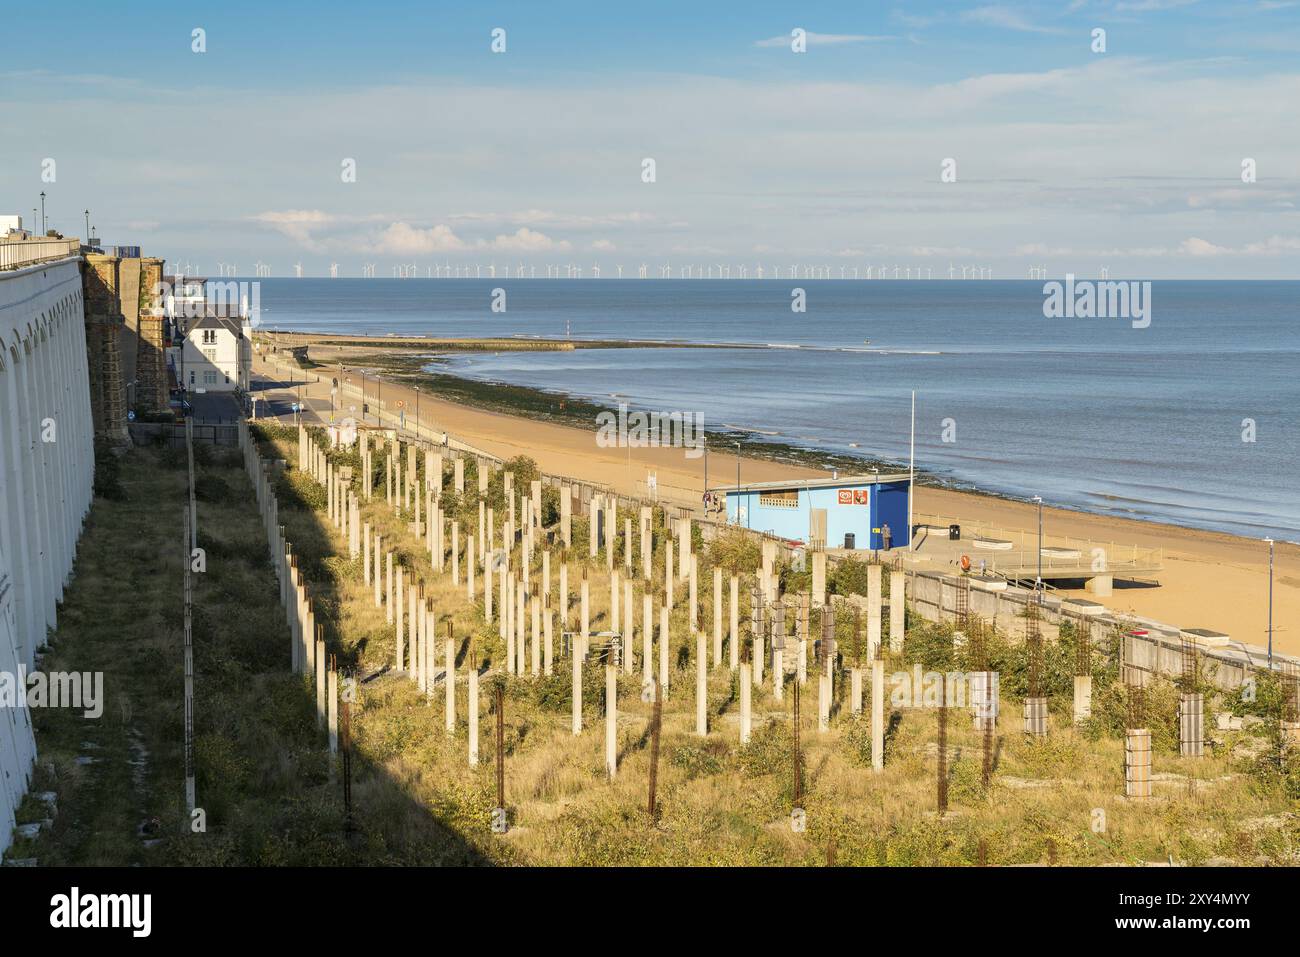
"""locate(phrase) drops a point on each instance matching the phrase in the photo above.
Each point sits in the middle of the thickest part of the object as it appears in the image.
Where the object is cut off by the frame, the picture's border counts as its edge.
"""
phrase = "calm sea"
(1088, 413)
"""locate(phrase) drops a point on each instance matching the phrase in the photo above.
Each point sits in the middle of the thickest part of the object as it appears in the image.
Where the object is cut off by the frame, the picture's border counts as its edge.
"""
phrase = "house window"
(788, 499)
(210, 355)
(209, 378)
(209, 337)
(191, 377)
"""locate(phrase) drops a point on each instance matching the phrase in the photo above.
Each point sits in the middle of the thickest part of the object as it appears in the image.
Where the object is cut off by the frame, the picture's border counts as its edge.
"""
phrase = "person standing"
(886, 536)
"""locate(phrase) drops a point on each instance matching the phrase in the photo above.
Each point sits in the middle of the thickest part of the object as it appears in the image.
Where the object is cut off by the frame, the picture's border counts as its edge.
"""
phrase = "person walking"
(886, 536)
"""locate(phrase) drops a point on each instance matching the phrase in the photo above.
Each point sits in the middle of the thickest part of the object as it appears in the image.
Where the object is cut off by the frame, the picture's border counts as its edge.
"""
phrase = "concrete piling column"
(877, 714)
(627, 547)
(397, 615)
(759, 656)
(508, 619)
(1036, 716)
(693, 606)
(388, 571)
(1082, 698)
(717, 617)
(428, 645)
(855, 691)
(734, 636)
(873, 610)
(647, 633)
(1137, 764)
(614, 595)
(566, 516)
(745, 705)
(365, 565)
(611, 716)
(333, 695)
(778, 675)
(473, 713)
(668, 573)
(483, 540)
(535, 609)
(521, 624)
(449, 679)
(701, 686)
(1191, 725)
(459, 466)
(577, 689)
(548, 650)
(819, 578)
(586, 612)
(412, 615)
(627, 626)
(593, 512)
(664, 643)
(647, 545)
(684, 548)
(322, 705)
(897, 611)
(455, 551)
(379, 600)
(546, 574)
(487, 588)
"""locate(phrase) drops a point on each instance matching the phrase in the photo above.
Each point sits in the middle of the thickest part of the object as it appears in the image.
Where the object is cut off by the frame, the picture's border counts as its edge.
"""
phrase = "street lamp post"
(43, 212)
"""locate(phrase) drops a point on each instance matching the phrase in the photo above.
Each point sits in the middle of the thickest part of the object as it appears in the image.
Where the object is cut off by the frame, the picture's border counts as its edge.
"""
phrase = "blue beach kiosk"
(847, 512)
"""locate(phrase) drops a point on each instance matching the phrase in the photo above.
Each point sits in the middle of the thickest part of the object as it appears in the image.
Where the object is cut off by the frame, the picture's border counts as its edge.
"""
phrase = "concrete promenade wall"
(46, 483)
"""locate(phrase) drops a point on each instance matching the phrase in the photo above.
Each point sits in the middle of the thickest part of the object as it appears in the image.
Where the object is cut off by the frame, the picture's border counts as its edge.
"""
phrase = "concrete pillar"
(562, 600)
(819, 578)
(1036, 716)
(548, 650)
(855, 691)
(546, 574)
(1191, 725)
(366, 563)
(745, 695)
(897, 611)
(333, 695)
(566, 515)
(611, 717)
(459, 466)
(322, 704)
(701, 686)
(428, 654)
(1082, 698)
(388, 571)
(877, 715)
(449, 680)
(585, 634)
(1137, 764)
(487, 589)
(508, 619)
(521, 625)
(627, 547)
(664, 649)
(614, 595)
(684, 548)
(647, 545)
(535, 610)
(485, 543)
(473, 713)
(577, 689)
(734, 637)
(379, 600)
(874, 605)
(627, 626)
(412, 615)
(397, 616)
(668, 573)
(1100, 585)
(593, 513)
(717, 617)
(647, 633)
(692, 593)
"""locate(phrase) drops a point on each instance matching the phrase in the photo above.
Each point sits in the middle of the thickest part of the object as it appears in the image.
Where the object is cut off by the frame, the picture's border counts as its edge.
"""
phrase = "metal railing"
(17, 253)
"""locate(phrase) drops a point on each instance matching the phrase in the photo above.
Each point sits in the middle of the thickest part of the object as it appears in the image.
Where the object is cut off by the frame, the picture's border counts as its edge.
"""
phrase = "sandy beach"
(1209, 579)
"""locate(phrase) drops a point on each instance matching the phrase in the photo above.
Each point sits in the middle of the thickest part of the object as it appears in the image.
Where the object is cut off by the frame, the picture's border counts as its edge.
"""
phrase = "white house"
(217, 355)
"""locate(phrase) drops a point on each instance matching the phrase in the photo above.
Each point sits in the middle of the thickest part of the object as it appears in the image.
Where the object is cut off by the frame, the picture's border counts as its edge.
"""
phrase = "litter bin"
(850, 540)
(954, 533)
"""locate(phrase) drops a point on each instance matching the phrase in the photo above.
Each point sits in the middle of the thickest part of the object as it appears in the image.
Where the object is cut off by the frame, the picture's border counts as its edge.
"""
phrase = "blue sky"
(1065, 158)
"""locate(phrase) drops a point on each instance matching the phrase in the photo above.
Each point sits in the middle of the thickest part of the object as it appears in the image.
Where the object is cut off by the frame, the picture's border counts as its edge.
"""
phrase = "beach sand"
(1209, 579)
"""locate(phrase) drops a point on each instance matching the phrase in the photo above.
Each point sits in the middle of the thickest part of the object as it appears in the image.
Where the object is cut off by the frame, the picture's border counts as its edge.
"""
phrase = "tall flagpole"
(911, 479)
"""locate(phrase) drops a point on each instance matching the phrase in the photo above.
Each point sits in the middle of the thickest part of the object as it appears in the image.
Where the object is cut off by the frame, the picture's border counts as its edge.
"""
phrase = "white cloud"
(824, 39)
(1005, 17)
